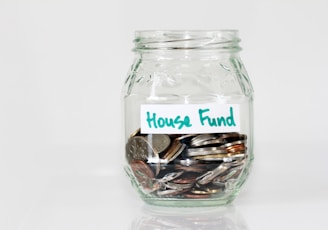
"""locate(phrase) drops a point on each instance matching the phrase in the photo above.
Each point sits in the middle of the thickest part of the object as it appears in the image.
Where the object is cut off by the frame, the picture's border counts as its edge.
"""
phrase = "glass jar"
(188, 115)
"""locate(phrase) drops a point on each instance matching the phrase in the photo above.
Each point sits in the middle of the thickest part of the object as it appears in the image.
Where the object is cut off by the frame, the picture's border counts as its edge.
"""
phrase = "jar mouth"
(186, 39)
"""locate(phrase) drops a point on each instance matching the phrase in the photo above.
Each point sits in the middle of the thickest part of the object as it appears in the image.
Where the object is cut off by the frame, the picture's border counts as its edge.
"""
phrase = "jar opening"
(186, 39)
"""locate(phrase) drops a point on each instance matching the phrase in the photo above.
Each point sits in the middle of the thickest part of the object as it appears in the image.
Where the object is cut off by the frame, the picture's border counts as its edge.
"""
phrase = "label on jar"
(189, 118)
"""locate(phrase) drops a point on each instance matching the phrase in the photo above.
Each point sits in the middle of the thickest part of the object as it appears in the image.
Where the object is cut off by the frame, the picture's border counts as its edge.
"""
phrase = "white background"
(62, 66)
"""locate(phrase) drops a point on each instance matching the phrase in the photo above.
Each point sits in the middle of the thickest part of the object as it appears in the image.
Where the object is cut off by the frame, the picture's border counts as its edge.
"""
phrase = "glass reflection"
(207, 218)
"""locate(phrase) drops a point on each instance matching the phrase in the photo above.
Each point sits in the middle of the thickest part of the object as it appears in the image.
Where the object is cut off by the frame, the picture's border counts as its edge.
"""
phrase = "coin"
(183, 138)
(205, 151)
(138, 148)
(143, 173)
(216, 141)
(174, 151)
(211, 157)
(232, 173)
(196, 196)
(210, 175)
(233, 135)
(239, 161)
(185, 180)
(201, 138)
(235, 157)
(135, 133)
(240, 142)
(236, 148)
(199, 191)
(158, 142)
(171, 192)
(187, 162)
(172, 185)
(192, 168)
(214, 189)
(170, 176)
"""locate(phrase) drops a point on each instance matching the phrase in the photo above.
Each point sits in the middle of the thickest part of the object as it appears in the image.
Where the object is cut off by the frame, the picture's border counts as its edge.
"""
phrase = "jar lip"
(186, 39)
(142, 33)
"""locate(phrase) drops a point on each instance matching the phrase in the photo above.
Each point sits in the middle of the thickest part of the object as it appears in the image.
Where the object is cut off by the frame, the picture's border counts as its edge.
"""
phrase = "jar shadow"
(207, 218)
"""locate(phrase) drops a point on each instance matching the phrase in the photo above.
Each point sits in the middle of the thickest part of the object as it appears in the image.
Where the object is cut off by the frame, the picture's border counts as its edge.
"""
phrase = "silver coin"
(239, 161)
(235, 157)
(210, 175)
(205, 151)
(226, 157)
(184, 137)
(174, 151)
(233, 135)
(177, 186)
(231, 173)
(171, 192)
(187, 162)
(159, 142)
(200, 139)
(138, 148)
(210, 158)
(215, 141)
(170, 176)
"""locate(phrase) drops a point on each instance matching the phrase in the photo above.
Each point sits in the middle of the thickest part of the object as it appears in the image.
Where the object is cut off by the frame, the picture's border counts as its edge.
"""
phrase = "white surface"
(62, 65)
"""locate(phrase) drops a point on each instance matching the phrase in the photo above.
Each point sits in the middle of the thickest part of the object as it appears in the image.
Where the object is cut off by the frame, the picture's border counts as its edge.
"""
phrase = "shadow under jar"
(188, 116)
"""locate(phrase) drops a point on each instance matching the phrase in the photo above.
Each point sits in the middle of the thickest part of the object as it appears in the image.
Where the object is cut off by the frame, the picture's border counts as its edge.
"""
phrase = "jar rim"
(186, 39)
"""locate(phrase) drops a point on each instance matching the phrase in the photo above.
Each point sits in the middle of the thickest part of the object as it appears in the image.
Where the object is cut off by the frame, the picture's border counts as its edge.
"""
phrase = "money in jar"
(188, 118)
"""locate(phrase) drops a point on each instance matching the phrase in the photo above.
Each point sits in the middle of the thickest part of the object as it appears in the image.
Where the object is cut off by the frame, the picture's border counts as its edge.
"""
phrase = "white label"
(189, 118)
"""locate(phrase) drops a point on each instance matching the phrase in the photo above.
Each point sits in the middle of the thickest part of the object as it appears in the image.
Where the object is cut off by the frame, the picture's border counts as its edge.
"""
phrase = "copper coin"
(240, 142)
(236, 148)
(185, 180)
(192, 168)
(143, 173)
(196, 196)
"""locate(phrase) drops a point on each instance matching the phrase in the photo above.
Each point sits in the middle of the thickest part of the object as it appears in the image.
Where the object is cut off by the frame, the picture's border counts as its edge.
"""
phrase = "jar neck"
(187, 43)
(172, 55)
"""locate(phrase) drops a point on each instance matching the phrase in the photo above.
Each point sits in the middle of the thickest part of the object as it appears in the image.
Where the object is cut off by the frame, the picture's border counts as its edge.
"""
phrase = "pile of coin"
(187, 166)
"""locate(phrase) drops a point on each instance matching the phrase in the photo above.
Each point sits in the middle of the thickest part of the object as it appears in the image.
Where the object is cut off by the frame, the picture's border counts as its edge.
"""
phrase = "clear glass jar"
(188, 115)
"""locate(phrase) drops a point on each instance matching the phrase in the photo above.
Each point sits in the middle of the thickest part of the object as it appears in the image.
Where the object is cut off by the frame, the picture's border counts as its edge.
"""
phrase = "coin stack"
(187, 166)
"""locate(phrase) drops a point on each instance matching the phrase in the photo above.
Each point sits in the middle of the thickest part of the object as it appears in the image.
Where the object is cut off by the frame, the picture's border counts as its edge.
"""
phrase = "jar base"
(221, 199)
(187, 202)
